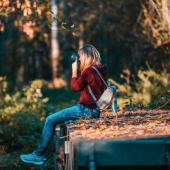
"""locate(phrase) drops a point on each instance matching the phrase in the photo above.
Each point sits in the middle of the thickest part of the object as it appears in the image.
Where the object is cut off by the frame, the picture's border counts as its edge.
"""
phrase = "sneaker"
(33, 158)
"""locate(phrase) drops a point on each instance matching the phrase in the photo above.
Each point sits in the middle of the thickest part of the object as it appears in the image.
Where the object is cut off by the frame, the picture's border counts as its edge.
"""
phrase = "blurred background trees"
(128, 34)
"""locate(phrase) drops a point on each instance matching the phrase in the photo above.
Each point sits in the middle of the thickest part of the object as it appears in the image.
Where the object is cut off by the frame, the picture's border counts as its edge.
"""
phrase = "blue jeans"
(74, 112)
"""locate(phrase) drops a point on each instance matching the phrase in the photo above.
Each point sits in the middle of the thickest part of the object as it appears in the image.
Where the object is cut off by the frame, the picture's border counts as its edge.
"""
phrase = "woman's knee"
(49, 120)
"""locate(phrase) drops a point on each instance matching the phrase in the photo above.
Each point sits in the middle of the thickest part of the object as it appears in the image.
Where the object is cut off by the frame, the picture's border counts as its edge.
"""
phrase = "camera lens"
(74, 56)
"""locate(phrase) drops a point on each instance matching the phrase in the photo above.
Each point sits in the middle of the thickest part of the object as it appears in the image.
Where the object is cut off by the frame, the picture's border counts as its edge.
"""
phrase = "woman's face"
(81, 60)
(80, 57)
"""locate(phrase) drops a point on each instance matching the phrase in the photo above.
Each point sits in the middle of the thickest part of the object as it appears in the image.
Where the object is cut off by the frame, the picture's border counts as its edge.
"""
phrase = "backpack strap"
(90, 90)
(100, 75)
(91, 93)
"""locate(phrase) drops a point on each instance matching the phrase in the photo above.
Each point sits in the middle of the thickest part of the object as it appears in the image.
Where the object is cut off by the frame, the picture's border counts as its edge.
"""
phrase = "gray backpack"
(108, 96)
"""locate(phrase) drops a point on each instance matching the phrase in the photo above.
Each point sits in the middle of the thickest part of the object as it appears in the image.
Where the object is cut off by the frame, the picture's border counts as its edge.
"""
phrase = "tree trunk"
(165, 14)
(81, 38)
(54, 41)
(65, 11)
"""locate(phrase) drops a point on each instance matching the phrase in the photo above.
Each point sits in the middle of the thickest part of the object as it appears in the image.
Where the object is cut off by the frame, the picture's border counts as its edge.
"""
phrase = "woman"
(86, 106)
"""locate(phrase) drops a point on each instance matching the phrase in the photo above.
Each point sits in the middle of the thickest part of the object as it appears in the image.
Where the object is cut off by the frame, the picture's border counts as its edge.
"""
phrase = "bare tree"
(54, 40)
(81, 37)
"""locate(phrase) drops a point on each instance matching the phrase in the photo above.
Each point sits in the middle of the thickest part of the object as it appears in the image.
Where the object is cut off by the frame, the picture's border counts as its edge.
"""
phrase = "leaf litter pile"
(127, 125)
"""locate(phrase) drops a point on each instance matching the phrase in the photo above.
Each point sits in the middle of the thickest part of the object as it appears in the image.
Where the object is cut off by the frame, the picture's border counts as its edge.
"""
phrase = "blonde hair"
(89, 55)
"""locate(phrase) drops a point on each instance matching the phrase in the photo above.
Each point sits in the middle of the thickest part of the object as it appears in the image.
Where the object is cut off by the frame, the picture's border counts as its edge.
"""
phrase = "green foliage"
(21, 114)
(151, 90)
(28, 100)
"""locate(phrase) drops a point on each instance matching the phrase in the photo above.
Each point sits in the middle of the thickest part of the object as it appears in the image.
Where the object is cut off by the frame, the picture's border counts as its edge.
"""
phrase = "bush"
(152, 90)
(21, 114)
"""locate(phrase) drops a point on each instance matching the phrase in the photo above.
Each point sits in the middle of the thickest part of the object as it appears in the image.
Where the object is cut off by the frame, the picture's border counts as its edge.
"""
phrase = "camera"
(74, 56)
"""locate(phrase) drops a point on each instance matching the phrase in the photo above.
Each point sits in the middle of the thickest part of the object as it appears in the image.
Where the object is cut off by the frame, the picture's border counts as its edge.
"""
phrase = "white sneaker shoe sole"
(33, 162)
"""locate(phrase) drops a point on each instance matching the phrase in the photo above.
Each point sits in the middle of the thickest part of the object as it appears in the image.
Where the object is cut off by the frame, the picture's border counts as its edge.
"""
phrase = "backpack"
(108, 97)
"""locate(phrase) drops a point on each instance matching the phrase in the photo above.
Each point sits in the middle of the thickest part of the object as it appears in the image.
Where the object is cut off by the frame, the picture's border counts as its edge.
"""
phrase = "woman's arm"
(77, 83)
(74, 68)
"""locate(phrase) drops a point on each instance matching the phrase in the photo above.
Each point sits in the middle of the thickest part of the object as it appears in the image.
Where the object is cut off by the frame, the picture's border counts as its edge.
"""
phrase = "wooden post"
(57, 142)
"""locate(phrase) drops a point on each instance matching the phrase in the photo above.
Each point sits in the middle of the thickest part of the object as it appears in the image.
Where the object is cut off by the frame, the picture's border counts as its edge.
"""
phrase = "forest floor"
(129, 124)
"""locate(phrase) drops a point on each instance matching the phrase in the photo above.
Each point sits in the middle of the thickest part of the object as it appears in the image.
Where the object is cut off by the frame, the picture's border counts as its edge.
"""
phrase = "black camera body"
(74, 57)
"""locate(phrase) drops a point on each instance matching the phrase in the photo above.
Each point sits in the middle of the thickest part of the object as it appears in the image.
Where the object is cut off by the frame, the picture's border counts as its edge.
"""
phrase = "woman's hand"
(75, 68)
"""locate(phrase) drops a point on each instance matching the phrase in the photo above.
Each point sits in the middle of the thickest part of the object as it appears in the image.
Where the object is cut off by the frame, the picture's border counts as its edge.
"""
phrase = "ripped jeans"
(71, 113)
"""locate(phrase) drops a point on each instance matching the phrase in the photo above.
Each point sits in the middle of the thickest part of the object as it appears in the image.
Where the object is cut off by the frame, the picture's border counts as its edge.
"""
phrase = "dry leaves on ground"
(128, 125)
